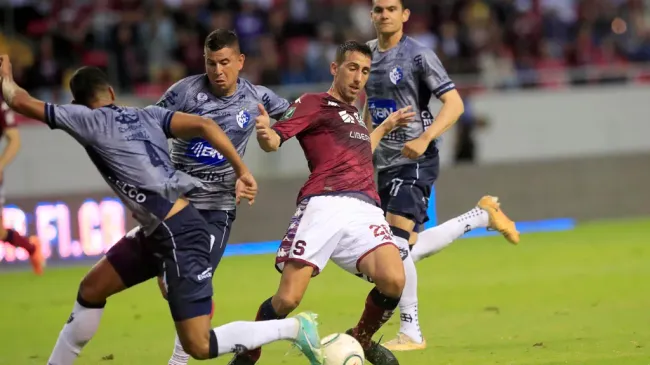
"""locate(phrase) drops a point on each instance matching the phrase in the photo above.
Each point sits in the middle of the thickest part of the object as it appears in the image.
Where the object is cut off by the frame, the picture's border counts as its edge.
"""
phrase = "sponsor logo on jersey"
(380, 109)
(200, 151)
(427, 118)
(396, 75)
(243, 118)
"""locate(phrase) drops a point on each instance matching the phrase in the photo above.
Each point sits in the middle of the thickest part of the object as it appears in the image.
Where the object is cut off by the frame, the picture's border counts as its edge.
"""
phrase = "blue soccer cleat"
(308, 340)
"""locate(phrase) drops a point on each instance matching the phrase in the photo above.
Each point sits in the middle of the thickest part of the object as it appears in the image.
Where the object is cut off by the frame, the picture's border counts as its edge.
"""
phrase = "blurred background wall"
(557, 97)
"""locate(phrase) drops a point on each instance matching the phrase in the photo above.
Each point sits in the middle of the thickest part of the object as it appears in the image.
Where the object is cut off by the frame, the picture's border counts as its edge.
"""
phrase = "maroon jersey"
(336, 144)
(7, 117)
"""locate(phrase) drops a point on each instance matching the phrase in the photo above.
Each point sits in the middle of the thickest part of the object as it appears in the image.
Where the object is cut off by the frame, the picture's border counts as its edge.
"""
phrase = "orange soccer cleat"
(498, 220)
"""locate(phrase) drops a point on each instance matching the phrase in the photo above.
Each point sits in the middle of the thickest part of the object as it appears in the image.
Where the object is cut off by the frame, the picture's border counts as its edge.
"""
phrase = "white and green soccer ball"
(342, 349)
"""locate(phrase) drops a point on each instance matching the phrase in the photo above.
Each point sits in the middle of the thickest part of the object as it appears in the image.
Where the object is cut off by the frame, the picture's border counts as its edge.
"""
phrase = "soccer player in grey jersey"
(129, 148)
(233, 103)
(404, 72)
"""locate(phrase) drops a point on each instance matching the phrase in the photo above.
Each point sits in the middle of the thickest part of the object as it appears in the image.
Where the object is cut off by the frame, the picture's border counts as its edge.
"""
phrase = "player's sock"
(433, 240)
(266, 312)
(15, 239)
(238, 337)
(80, 328)
(179, 356)
(379, 308)
(408, 304)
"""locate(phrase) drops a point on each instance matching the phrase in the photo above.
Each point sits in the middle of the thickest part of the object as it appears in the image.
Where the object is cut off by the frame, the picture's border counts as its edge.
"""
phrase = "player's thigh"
(183, 243)
(219, 226)
(313, 234)
(128, 263)
(406, 193)
(368, 249)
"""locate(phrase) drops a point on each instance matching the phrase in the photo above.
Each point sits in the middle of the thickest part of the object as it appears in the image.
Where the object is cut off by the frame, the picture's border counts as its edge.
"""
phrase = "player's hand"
(263, 124)
(246, 188)
(400, 118)
(5, 67)
(415, 148)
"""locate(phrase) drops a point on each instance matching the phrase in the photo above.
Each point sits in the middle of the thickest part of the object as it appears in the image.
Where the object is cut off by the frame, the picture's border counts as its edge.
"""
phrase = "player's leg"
(32, 244)
(220, 223)
(405, 192)
(186, 254)
(126, 264)
(486, 214)
(311, 238)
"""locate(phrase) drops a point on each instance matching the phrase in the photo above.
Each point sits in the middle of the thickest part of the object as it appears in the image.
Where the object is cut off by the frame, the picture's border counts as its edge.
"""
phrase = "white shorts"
(339, 228)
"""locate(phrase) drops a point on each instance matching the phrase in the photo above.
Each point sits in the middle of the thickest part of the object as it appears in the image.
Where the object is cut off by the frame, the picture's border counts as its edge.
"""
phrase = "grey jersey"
(408, 74)
(236, 115)
(129, 148)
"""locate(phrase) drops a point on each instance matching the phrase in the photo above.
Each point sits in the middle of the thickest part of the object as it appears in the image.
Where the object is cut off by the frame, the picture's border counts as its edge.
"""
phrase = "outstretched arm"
(16, 97)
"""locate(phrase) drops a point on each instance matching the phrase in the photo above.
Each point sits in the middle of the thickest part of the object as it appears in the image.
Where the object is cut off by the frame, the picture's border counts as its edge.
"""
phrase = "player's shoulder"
(259, 92)
(416, 47)
(311, 99)
(373, 44)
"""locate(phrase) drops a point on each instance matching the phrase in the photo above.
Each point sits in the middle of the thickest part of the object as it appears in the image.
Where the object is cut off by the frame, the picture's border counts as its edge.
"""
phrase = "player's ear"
(242, 58)
(333, 68)
(111, 91)
(406, 14)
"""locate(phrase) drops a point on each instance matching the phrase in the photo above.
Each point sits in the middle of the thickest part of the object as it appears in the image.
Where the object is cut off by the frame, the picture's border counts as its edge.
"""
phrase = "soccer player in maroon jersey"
(32, 244)
(339, 215)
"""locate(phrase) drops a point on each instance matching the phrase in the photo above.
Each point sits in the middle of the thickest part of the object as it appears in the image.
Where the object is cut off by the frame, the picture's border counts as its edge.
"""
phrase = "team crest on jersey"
(243, 118)
(201, 97)
(396, 75)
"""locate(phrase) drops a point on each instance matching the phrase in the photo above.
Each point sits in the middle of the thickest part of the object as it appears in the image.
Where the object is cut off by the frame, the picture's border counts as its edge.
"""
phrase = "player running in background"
(231, 102)
(129, 148)
(338, 215)
(404, 72)
(10, 132)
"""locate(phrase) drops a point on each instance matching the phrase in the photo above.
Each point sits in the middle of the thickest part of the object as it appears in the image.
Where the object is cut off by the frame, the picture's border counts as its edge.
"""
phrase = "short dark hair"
(401, 2)
(86, 83)
(221, 38)
(351, 46)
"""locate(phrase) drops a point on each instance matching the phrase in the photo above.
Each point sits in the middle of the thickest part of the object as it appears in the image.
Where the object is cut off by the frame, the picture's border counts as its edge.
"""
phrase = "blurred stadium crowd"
(147, 44)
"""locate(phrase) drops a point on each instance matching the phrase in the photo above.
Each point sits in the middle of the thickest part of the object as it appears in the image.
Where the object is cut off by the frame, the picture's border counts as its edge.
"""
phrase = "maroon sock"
(266, 312)
(15, 239)
(379, 308)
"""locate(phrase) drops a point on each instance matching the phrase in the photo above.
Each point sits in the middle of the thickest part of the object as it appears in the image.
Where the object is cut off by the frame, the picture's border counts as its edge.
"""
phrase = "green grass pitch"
(578, 297)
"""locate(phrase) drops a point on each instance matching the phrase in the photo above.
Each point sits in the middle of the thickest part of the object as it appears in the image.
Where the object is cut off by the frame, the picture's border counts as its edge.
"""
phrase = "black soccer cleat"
(377, 354)
(242, 360)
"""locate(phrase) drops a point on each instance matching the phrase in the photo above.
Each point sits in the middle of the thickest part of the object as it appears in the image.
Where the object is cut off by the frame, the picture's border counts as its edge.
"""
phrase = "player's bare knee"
(391, 285)
(100, 283)
(198, 348)
(285, 302)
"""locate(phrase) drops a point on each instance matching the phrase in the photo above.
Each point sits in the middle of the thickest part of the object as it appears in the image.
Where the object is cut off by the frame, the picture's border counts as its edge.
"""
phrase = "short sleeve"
(161, 117)
(174, 98)
(433, 73)
(298, 118)
(275, 105)
(77, 120)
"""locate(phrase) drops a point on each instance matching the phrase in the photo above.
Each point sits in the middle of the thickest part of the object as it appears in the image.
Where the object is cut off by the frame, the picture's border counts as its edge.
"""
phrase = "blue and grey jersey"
(236, 115)
(407, 74)
(129, 148)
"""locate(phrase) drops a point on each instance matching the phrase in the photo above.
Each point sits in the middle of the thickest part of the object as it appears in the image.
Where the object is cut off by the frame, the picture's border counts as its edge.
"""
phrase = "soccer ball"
(342, 349)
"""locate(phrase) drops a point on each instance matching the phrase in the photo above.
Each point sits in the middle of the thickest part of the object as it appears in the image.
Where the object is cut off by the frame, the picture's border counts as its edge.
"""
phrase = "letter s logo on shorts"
(380, 109)
(200, 151)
